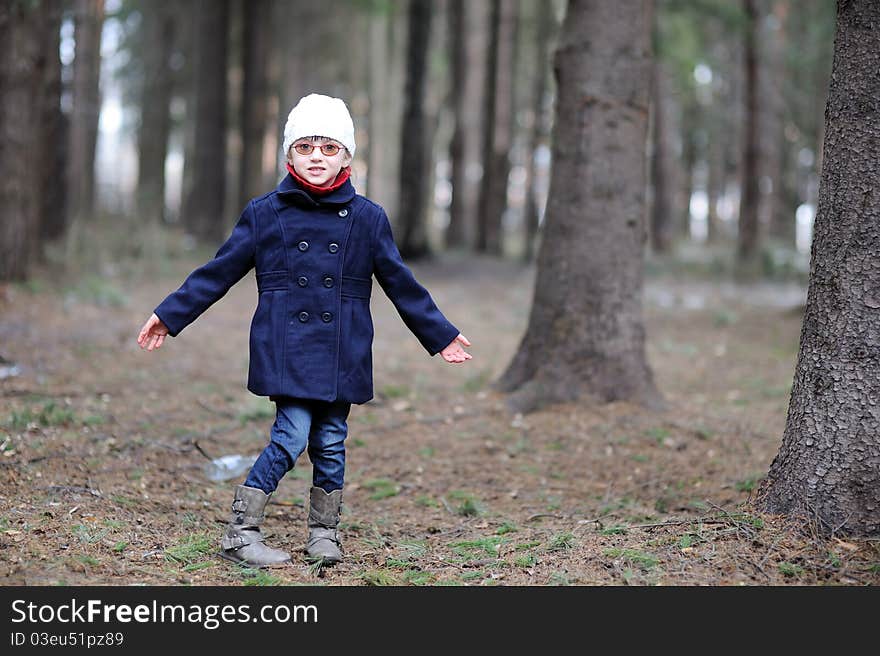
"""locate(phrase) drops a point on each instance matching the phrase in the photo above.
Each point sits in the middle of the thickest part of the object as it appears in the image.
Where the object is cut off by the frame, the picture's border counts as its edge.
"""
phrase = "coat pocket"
(353, 287)
(271, 280)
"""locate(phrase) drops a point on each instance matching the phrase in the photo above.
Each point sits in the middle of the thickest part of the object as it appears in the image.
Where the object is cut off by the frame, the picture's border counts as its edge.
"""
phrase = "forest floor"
(105, 449)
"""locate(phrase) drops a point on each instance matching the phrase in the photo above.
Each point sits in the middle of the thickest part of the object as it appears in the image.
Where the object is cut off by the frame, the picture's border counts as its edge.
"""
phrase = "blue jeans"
(299, 423)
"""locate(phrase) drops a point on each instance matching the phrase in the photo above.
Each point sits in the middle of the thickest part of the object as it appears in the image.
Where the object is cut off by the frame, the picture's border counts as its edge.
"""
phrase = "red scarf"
(321, 191)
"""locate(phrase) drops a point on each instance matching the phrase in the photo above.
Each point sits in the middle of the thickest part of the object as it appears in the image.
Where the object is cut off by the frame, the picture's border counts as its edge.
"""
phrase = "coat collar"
(291, 191)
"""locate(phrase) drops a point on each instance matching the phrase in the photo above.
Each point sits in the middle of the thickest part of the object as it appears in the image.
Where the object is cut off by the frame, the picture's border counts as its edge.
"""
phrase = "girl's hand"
(153, 333)
(454, 352)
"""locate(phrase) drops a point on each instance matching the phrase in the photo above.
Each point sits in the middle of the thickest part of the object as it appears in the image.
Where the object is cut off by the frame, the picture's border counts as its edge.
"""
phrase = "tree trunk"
(828, 467)
(773, 210)
(469, 22)
(499, 127)
(20, 79)
(88, 22)
(539, 128)
(585, 336)
(255, 98)
(204, 203)
(52, 196)
(155, 128)
(415, 174)
(661, 183)
(748, 238)
(461, 67)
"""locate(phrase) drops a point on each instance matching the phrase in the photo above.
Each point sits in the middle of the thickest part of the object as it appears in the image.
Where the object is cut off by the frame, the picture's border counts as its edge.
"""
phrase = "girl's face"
(318, 160)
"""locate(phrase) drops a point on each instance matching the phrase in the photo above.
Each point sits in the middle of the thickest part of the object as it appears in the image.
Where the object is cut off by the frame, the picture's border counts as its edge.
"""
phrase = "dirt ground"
(104, 448)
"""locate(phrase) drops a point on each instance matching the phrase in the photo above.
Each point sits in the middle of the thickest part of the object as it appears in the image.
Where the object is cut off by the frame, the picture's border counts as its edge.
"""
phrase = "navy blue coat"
(312, 333)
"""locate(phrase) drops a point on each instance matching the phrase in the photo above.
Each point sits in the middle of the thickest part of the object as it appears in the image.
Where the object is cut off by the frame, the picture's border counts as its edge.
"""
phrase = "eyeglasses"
(329, 149)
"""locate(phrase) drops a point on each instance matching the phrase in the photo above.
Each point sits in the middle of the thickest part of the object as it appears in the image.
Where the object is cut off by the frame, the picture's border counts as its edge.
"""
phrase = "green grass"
(260, 577)
(379, 577)
(88, 560)
(561, 542)
(615, 529)
(381, 488)
(790, 570)
(506, 527)
(415, 577)
(119, 547)
(473, 549)
(468, 506)
(89, 534)
(633, 556)
(426, 501)
(51, 414)
(191, 548)
(526, 560)
(522, 546)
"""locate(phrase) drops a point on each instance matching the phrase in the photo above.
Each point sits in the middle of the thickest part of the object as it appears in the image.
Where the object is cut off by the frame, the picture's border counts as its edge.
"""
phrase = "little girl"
(315, 245)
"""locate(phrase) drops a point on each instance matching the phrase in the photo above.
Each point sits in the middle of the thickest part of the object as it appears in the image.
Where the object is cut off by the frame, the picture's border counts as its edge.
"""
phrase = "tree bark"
(662, 212)
(256, 97)
(499, 127)
(53, 196)
(20, 80)
(88, 22)
(748, 236)
(540, 127)
(415, 173)
(828, 468)
(585, 336)
(204, 204)
(159, 28)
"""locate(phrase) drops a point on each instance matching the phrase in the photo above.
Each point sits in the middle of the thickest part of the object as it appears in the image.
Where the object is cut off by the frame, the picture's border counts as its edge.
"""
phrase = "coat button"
(303, 246)
(326, 317)
(343, 212)
(302, 281)
(333, 247)
(328, 282)
(303, 316)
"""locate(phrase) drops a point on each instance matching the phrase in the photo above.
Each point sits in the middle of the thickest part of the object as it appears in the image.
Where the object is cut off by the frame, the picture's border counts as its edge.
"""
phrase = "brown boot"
(324, 509)
(242, 542)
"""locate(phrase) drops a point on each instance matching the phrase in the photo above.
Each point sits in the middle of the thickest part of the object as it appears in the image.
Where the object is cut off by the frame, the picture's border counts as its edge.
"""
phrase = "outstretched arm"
(454, 352)
(412, 300)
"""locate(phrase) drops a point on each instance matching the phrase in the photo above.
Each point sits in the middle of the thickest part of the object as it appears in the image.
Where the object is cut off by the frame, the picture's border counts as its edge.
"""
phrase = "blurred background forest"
(134, 130)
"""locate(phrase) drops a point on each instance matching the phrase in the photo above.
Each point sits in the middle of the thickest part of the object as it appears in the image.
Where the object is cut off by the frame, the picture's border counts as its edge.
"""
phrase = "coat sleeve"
(207, 284)
(413, 302)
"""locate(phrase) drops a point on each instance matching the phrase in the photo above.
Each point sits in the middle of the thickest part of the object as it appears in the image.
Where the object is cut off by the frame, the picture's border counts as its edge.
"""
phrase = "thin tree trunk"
(88, 22)
(827, 470)
(159, 27)
(661, 207)
(20, 78)
(461, 66)
(585, 336)
(748, 238)
(204, 203)
(540, 126)
(499, 127)
(256, 98)
(53, 196)
(774, 210)
(379, 120)
(414, 161)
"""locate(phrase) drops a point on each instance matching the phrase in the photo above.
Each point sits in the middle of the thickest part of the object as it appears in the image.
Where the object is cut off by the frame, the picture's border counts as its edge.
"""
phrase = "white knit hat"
(319, 116)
